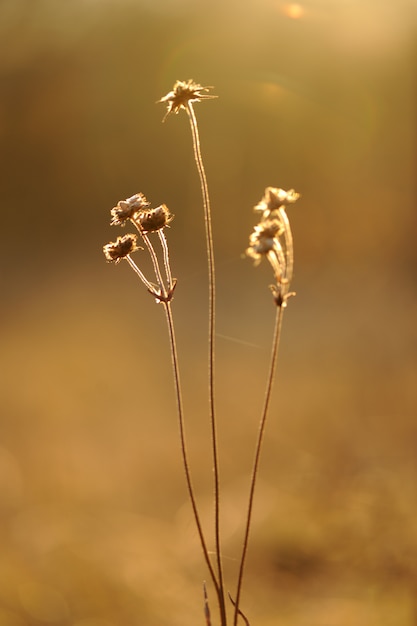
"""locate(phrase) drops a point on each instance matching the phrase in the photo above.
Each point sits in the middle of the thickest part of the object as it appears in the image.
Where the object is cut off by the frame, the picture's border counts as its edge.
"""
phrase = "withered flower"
(275, 198)
(154, 219)
(183, 92)
(272, 239)
(264, 239)
(127, 209)
(122, 247)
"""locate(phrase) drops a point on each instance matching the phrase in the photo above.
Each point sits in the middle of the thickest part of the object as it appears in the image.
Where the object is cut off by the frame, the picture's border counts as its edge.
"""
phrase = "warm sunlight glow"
(270, 89)
(293, 10)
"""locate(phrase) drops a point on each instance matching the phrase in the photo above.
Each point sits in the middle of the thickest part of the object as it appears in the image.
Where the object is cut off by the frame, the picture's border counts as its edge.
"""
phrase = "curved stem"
(289, 254)
(141, 275)
(262, 424)
(154, 258)
(211, 332)
(180, 410)
(167, 266)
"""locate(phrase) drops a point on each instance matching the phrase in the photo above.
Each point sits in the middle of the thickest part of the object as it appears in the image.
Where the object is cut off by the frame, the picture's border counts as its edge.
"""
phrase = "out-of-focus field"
(95, 526)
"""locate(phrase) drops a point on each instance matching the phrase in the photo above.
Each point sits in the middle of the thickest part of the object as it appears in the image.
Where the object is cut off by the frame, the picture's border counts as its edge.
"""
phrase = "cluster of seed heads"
(272, 238)
(138, 211)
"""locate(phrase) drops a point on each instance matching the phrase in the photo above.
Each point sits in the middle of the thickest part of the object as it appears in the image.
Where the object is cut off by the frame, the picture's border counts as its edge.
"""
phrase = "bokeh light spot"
(293, 10)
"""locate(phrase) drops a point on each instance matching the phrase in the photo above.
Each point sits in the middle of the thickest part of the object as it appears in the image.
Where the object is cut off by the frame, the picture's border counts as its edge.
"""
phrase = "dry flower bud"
(127, 209)
(183, 92)
(122, 247)
(264, 239)
(275, 198)
(154, 219)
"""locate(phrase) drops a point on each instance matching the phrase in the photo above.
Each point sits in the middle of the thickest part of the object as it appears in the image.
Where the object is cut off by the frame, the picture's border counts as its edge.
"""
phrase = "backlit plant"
(271, 239)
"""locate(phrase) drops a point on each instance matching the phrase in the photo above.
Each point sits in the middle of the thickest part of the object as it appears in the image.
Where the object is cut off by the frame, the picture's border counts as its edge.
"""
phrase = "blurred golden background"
(96, 529)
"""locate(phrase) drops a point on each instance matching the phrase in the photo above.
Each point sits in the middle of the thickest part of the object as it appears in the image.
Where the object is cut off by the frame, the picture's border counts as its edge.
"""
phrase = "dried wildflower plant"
(137, 210)
(272, 239)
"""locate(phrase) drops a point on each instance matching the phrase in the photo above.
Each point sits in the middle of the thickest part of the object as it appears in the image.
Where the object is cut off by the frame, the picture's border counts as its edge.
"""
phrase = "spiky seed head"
(154, 219)
(274, 198)
(127, 209)
(115, 251)
(264, 239)
(184, 92)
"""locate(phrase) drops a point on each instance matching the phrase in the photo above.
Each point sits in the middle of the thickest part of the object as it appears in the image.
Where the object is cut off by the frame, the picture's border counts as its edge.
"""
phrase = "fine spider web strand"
(211, 334)
(261, 431)
(180, 412)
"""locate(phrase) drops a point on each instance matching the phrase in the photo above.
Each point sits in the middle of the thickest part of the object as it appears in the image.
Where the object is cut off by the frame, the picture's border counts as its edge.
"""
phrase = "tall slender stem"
(258, 447)
(180, 410)
(211, 351)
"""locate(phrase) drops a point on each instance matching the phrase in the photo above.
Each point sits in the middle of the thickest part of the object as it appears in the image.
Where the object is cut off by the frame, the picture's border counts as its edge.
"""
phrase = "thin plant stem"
(258, 447)
(177, 382)
(289, 254)
(211, 353)
(141, 275)
(166, 257)
(206, 606)
(154, 258)
(180, 410)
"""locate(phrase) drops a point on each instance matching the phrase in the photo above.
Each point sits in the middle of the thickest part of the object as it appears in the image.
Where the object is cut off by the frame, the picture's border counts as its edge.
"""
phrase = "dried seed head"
(272, 238)
(154, 219)
(264, 239)
(275, 198)
(127, 209)
(117, 250)
(183, 92)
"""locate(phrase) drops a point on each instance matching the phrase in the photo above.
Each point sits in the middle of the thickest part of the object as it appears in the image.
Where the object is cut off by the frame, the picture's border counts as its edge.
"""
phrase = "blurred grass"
(95, 526)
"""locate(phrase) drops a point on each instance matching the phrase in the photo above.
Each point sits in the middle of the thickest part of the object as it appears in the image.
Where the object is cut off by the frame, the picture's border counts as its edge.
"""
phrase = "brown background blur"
(95, 527)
